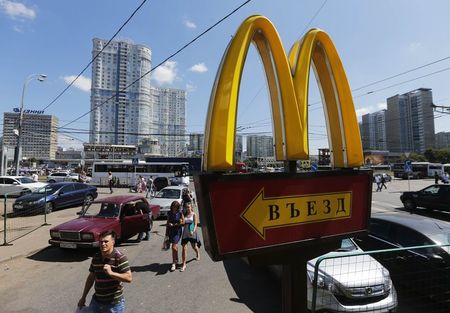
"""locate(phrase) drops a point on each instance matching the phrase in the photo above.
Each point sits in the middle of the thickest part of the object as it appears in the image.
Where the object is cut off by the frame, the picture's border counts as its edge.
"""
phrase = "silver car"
(351, 283)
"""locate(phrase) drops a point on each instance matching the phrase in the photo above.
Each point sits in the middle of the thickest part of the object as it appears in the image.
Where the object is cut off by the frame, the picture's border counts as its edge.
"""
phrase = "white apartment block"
(38, 139)
(260, 146)
(169, 120)
(120, 114)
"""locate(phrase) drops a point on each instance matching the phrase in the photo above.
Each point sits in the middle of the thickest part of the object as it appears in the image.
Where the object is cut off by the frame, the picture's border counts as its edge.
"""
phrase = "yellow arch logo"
(288, 79)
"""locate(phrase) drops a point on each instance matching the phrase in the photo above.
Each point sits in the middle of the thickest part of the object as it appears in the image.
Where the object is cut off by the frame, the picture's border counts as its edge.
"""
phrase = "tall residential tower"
(410, 121)
(120, 114)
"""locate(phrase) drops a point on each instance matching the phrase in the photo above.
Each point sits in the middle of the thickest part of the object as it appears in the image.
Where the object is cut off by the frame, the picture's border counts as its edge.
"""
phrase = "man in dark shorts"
(109, 268)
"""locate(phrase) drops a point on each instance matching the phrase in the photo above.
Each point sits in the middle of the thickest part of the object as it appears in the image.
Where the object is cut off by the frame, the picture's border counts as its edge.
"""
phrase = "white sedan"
(166, 196)
(18, 185)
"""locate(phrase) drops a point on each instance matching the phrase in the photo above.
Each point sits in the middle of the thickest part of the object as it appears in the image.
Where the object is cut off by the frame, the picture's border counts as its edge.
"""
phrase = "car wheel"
(49, 207)
(409, 204)
(88, 199)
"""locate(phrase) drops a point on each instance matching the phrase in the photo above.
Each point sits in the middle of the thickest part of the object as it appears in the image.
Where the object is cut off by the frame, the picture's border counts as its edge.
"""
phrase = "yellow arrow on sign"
(274, 212)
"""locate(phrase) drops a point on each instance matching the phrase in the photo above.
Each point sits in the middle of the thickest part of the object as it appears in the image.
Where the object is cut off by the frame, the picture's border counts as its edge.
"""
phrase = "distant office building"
(38, 139)
(169, 120)
(260, 146)
(196, 143)
(373, 131)
(442, 140)
(410, 121)
(120, 111)
(238, 148)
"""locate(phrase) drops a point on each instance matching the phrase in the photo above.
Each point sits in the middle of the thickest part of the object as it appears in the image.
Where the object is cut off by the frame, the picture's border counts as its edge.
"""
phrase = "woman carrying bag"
(189, 235)
(175, 222)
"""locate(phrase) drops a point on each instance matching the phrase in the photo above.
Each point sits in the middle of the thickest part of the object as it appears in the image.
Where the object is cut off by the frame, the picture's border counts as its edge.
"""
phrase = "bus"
(419, 170)
(125, 173)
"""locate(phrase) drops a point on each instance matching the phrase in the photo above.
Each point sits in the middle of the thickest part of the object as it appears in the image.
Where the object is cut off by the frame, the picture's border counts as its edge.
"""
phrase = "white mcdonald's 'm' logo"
(288, 79)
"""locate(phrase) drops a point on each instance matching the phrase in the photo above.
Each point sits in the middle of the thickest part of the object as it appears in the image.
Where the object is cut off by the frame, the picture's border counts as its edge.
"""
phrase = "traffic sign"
(135, 161)
(280, 210)
(408, 166)
(314, 167)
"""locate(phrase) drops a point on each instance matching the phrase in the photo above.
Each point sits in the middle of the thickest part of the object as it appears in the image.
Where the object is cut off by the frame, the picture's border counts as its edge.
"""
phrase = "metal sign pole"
(4, 223)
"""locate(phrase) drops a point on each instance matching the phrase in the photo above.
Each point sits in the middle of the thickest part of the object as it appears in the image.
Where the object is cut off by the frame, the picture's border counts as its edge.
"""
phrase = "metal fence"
(18, 219)
(403, 280)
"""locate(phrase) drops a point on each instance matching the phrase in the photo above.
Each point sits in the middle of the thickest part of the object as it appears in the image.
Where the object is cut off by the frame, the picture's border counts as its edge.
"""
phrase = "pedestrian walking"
(143, 207)
(175, 221)
(186, 199)
(110, 181)
(436, 178)
(150, 187)
(189, 235)
(446, 178)
(109, 268)
(383, 181)
(378, 182)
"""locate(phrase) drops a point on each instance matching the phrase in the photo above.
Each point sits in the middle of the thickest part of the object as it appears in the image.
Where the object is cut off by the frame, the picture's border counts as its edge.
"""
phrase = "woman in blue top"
(189, 235)
(175, 221)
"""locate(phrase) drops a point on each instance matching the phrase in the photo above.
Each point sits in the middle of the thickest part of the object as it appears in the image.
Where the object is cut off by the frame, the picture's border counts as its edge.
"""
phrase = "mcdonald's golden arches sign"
(247, 213)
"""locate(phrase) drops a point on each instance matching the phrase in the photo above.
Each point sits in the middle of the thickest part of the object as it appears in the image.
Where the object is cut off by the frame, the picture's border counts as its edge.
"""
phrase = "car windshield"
(346, 245)
(102, 210)
(49, 189)
(25, 180)
(169, 194)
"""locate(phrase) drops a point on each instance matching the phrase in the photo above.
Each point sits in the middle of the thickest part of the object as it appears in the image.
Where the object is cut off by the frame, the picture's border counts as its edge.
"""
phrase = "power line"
(162, 62)
(93, 59)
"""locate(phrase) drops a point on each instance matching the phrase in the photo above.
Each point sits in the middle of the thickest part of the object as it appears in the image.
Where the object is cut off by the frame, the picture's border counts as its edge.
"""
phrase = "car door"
(445, 198)
(80, 193)
(429, 197)
(11, 186)
(133, 221)
(66, 196)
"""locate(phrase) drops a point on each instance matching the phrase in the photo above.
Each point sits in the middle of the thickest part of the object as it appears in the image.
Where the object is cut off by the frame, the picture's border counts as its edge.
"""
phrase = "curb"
(20, 255)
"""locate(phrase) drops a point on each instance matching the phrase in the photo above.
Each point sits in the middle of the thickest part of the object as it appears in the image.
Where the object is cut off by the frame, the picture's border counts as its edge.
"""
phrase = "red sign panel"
(243, 213)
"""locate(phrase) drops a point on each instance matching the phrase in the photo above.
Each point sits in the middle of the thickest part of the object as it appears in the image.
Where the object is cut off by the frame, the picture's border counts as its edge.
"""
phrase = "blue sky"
(375, 39)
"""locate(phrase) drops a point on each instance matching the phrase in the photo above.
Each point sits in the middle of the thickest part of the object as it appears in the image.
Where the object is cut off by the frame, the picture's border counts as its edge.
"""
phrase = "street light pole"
(41, 78)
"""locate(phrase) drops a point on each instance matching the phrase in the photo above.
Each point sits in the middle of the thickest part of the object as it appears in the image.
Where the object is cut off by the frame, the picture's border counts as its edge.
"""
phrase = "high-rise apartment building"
(196, 143)
(120, 114)
(373, 131)
(38, 138)
(410, 121)
(169, 120)
(442, 140)
(260, 146)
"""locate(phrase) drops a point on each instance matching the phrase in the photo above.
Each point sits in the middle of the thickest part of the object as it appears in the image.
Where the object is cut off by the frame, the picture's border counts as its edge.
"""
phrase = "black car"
(432, 197)
(55, 196)
(426, 270)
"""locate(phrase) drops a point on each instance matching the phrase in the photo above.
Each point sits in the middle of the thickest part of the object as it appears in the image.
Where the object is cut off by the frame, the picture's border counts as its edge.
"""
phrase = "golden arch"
(288, 86)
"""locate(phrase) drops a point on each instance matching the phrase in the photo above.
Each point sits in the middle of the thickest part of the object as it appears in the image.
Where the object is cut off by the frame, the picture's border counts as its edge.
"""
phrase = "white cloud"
(370, 109)
(17, 10)
(17, 29)
(83, 83)
(415, 47)
(190, 87)
(199, 68)
(190, 24)
(166, 73)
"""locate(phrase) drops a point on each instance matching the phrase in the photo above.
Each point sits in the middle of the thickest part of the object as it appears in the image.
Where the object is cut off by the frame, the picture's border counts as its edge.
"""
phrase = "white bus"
(418, 170)
(125, 173)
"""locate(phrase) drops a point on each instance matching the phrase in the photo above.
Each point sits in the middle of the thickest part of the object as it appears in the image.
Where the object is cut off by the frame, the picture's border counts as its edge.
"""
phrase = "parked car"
(124, 214)
(55, 196)
(62, 176)
(427, 270)
(432, 197)
(18, 185)
(179, 181)
(166, 196)
(350, 283)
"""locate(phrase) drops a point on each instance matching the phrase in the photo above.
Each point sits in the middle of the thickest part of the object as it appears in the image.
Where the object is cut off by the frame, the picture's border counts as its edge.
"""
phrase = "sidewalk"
(38, 239)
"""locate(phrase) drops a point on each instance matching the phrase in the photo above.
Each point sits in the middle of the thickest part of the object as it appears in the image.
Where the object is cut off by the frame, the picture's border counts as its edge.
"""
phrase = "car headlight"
(55, 234)
(166, 208)
(42, 200)
(87, 236)
(324, 282)
(387, 280)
